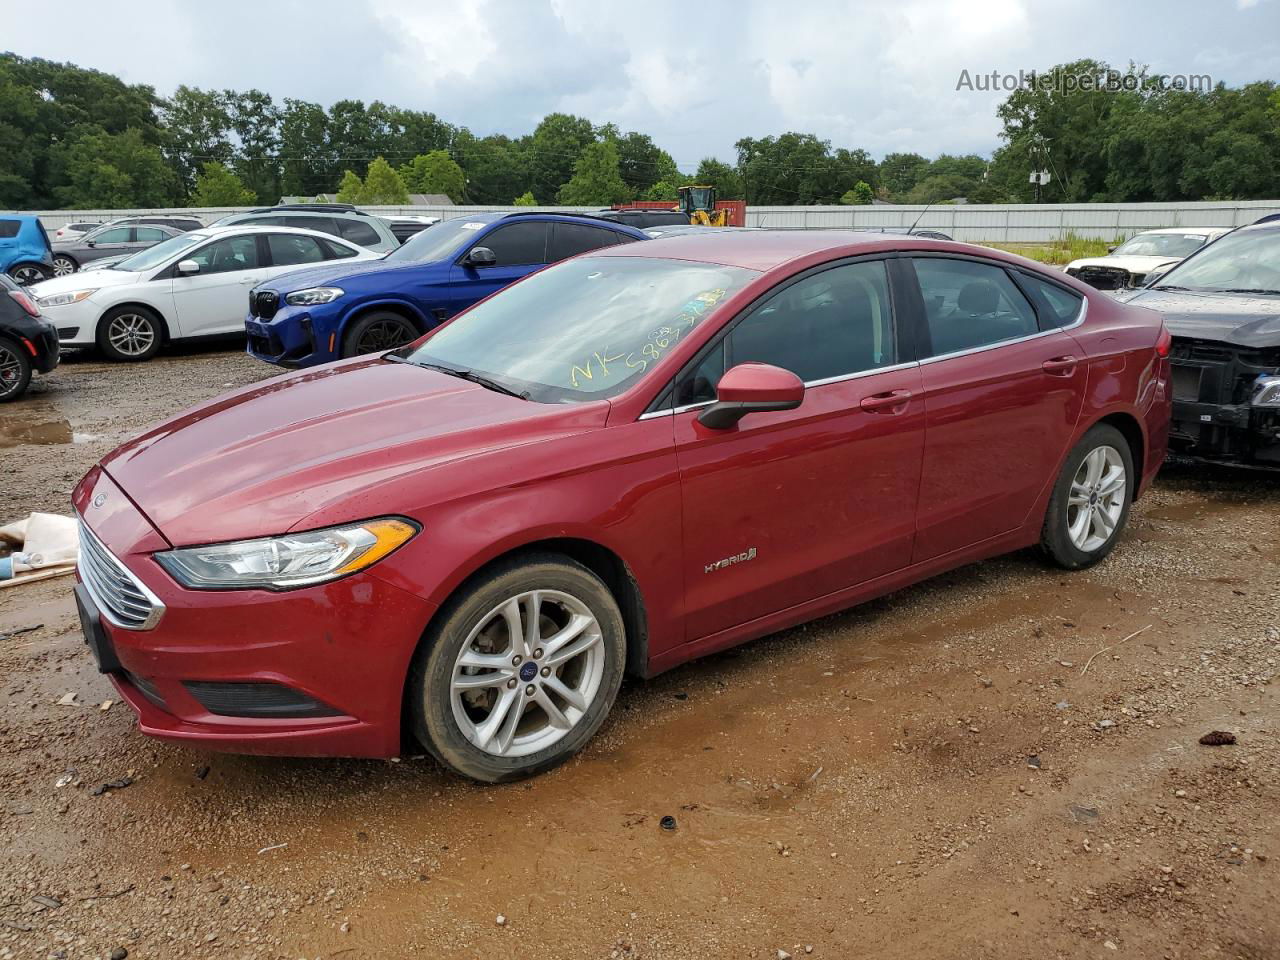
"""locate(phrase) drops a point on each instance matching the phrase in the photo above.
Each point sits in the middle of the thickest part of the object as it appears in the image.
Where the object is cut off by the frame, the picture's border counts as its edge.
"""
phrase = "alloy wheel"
(131, 334)
(63, 267)
(1096, 499)
(27, 274)
(10, 370)
(384, 335)
(529, 671)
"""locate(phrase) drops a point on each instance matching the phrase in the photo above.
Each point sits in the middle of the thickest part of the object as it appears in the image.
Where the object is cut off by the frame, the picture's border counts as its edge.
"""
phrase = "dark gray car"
(111, 240)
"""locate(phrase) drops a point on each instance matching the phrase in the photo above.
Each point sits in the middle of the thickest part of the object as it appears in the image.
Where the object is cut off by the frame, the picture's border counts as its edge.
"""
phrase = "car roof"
(765, 249)
(1182, 230)
(251, 229)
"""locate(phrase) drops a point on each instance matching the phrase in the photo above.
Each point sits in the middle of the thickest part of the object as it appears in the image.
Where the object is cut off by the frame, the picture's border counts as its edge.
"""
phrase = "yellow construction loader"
(699, 205)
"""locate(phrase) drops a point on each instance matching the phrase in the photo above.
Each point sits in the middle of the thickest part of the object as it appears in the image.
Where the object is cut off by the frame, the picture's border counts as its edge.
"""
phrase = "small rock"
(1033, 762)
(1179, 793)
(1110, 946)
(668, 822)
(783, 955)
(67, 700)
(106, 705)
(47, 902)
(501, 921)
(986, 682)
(119, 953)
(1062, 705)
(1218, 738)
(346, 927)
(111, 785)
(202, 773)
(1106, 724)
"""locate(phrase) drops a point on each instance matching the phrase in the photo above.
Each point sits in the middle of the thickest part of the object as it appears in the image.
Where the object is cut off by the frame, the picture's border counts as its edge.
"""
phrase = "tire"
(378, 331)
(524, 739)
(130, 334)
(15, 370)
(1087, 511)
(64, 266)
(25, 274)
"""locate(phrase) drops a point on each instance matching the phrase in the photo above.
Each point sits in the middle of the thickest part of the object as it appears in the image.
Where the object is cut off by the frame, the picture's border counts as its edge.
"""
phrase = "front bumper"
(193, 677)
(294, 337)
(43, 340)
(1212, 416)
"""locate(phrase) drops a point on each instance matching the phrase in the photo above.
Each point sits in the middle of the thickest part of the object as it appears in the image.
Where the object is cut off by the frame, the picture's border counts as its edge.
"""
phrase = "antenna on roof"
(921, 217)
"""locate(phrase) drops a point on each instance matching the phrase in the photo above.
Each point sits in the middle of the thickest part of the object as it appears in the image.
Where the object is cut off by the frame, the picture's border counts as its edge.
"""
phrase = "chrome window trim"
(654, 414)
(94, 587)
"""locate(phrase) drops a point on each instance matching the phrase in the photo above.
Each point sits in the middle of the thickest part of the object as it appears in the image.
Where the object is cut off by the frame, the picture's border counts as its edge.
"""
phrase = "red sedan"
(627, 460)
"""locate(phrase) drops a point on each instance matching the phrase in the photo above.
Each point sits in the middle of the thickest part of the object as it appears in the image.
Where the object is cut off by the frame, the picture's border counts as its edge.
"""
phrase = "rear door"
(520, 248)
(1002, 393)
(111, 242)
(571, 239)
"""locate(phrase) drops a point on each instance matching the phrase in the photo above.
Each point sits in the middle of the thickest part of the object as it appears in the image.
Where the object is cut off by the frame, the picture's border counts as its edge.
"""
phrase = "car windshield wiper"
(1170, 286)
(470, 375)
(1247, 290)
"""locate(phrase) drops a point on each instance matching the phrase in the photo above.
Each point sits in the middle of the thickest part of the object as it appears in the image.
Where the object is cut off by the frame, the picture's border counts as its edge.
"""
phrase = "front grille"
(1104, 278)
(1186, 382)
(264, 303)
(118, 594)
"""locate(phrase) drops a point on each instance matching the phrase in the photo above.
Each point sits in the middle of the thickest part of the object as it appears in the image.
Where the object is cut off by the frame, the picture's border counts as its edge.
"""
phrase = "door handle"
(248, 279)
(1060, 366)
(893, 401)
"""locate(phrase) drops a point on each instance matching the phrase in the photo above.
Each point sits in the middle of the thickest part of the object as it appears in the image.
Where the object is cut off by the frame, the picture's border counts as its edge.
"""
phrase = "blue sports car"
(338, 310)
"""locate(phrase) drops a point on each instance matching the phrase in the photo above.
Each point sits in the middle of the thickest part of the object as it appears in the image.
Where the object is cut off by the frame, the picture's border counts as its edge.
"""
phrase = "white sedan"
(1132, 262)
(193, 285)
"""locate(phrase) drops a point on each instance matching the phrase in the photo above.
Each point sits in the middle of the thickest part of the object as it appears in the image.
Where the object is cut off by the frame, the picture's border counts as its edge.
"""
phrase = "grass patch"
(1070, 246)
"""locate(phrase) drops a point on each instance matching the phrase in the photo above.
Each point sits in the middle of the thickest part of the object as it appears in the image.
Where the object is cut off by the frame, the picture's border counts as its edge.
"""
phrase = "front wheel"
(28, 273)
(15, 370)
(1090, 501)
(376, 332)
(130, 334)
(520, 670)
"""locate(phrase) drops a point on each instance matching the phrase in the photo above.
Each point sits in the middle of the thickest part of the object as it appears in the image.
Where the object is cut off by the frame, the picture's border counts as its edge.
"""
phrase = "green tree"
(382, 185)
(798, 168)
(306, 169)
(255, 121)
(726, 180)
(197, 127)
(351, 189)
(553, 150)
(114, 170)
(596, 179)
(899, 172)
(434, 172)
(217, 186)
(939, 189)
(526, 200)
(860, 193)
(496, 167)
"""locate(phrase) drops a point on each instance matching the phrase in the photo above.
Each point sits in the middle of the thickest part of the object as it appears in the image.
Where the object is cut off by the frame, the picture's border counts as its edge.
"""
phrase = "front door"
(214, 300)
(787, 507)
(520, 248)
(1001, 398)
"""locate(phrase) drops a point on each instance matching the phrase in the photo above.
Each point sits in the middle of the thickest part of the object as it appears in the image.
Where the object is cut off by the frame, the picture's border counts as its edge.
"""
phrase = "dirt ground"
(994, 764)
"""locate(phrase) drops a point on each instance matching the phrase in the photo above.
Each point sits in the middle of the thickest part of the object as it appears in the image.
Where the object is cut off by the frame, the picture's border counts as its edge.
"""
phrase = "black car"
(109, 240)
(643, 219)
(1222, 305)
(28, 342)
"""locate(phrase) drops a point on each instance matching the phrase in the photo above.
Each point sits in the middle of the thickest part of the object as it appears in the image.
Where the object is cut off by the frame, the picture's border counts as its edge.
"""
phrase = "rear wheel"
(64, 266)
(520, 670)
(1090, 501)
(376, 332)
(130, 334)
(15, 370)
(28, 273)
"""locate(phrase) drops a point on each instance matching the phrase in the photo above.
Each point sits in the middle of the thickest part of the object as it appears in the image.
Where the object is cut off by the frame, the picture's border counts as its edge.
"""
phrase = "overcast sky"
(696, 77)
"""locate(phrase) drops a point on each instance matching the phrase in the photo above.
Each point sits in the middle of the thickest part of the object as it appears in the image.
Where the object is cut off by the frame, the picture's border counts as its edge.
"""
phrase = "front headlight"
(293, 560)
(313, 295)
(1266, 391)
(62, 299)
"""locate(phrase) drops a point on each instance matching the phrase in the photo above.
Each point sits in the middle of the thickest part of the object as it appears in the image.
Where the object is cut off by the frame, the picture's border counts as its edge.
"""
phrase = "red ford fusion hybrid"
(624, 461)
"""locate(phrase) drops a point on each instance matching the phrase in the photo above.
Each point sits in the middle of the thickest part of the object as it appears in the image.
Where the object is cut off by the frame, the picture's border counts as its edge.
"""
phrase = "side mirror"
(188, 267)
(1112, 248)
(481, 257)
(752, 388)
(91, 243)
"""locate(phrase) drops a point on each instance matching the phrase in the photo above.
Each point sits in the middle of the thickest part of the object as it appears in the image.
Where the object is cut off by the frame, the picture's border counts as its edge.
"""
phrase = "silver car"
(337, 220)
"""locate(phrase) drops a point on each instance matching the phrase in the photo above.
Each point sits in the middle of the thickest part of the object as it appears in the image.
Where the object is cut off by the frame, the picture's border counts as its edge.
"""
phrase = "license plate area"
(95, 635)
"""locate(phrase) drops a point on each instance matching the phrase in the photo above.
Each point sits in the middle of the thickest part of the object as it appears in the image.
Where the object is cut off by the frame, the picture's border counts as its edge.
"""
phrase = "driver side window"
(224, 256)
(971, 305)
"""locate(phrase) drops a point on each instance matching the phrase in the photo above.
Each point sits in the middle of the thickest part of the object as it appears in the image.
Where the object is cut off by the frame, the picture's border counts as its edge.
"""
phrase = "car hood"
(1132, 264)
(332, 273)
(83, 281)
(258, 461)
(1236, 318)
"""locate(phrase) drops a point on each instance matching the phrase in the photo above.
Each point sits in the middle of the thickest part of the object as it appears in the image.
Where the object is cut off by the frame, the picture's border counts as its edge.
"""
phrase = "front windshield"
(162, 251)
(1245, 261)
(1161, 245)
(583, 329)
(441, 241)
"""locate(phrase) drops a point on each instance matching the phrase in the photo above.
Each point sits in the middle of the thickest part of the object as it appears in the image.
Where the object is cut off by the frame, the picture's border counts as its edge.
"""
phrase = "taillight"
(1164, 343)
(25, 302)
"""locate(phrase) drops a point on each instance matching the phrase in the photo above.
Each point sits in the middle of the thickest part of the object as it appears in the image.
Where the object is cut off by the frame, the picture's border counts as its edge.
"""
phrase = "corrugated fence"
(989, 223)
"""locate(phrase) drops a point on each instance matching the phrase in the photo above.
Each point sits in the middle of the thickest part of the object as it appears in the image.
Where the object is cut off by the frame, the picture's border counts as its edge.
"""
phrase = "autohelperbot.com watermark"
(1060, 81)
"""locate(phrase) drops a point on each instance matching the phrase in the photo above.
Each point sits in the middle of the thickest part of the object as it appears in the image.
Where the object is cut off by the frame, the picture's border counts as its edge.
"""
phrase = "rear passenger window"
(337, 251)
(323, 224)
(518, 244)
(9, 228)
(570, 239)
(288, 249)
(150, 235)
(1064, 305)
(970, 305)
(830, 324)
(361, 234)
